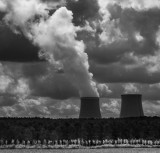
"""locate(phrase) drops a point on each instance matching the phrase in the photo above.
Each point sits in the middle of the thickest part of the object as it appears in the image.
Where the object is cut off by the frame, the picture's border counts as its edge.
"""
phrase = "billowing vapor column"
(90, 107)
(131, 105)
(55, 35)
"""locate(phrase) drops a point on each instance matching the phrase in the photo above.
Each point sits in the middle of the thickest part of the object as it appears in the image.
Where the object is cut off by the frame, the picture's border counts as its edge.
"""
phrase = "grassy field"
(135, 150)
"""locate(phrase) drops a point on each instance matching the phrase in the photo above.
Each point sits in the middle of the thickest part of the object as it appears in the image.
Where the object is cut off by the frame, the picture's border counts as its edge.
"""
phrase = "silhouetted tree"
(87, 129)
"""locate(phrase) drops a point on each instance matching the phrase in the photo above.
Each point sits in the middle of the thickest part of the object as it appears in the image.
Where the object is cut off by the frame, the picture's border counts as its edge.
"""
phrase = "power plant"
(131, 105)
(90, 107)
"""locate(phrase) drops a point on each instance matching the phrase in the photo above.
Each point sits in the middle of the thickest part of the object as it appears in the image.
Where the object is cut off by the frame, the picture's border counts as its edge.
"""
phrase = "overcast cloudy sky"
(54, 51)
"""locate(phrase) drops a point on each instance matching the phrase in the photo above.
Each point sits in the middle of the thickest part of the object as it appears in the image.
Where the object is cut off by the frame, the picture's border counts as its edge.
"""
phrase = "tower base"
(131, 105)
(90, 107)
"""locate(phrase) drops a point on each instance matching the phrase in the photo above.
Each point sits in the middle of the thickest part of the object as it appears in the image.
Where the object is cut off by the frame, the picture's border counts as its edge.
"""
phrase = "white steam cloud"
(56, 37)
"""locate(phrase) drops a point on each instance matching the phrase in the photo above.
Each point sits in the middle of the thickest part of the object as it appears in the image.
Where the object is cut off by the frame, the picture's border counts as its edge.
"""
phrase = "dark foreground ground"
(137, 150)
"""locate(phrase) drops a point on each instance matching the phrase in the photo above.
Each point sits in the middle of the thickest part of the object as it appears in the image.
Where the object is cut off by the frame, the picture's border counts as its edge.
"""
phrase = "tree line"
(30, 129)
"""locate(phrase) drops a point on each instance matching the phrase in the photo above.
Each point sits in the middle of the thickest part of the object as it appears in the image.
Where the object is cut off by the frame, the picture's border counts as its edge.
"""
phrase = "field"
(141, 150)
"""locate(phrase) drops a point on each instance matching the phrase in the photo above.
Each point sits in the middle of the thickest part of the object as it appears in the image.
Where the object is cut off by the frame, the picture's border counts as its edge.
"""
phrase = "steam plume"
(56, 37)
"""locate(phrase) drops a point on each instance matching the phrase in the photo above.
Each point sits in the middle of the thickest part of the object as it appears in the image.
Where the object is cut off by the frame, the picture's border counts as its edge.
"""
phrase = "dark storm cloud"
(146, 23)
(108, 54)
(118, 73)
(2, 15)
(43, 81)
(15, 47)
(57, 87)
(7, 100)
(130, 22)
(34, 69)
(58, 1)
(83, 10)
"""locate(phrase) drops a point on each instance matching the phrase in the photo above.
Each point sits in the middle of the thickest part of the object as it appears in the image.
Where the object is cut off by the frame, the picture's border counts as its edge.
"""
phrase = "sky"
(52, 52)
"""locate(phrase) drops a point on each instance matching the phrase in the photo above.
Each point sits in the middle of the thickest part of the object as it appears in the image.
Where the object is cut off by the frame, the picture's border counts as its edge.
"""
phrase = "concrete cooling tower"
(90, 107)
(131, 105)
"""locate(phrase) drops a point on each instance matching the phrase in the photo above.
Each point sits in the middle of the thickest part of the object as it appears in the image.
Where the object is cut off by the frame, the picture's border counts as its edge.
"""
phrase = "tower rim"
(89, 97)
(131, 95)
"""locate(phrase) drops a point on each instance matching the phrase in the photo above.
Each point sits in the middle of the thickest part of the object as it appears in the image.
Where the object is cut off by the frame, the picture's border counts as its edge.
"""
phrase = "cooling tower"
(90, 107)
(131, 105)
